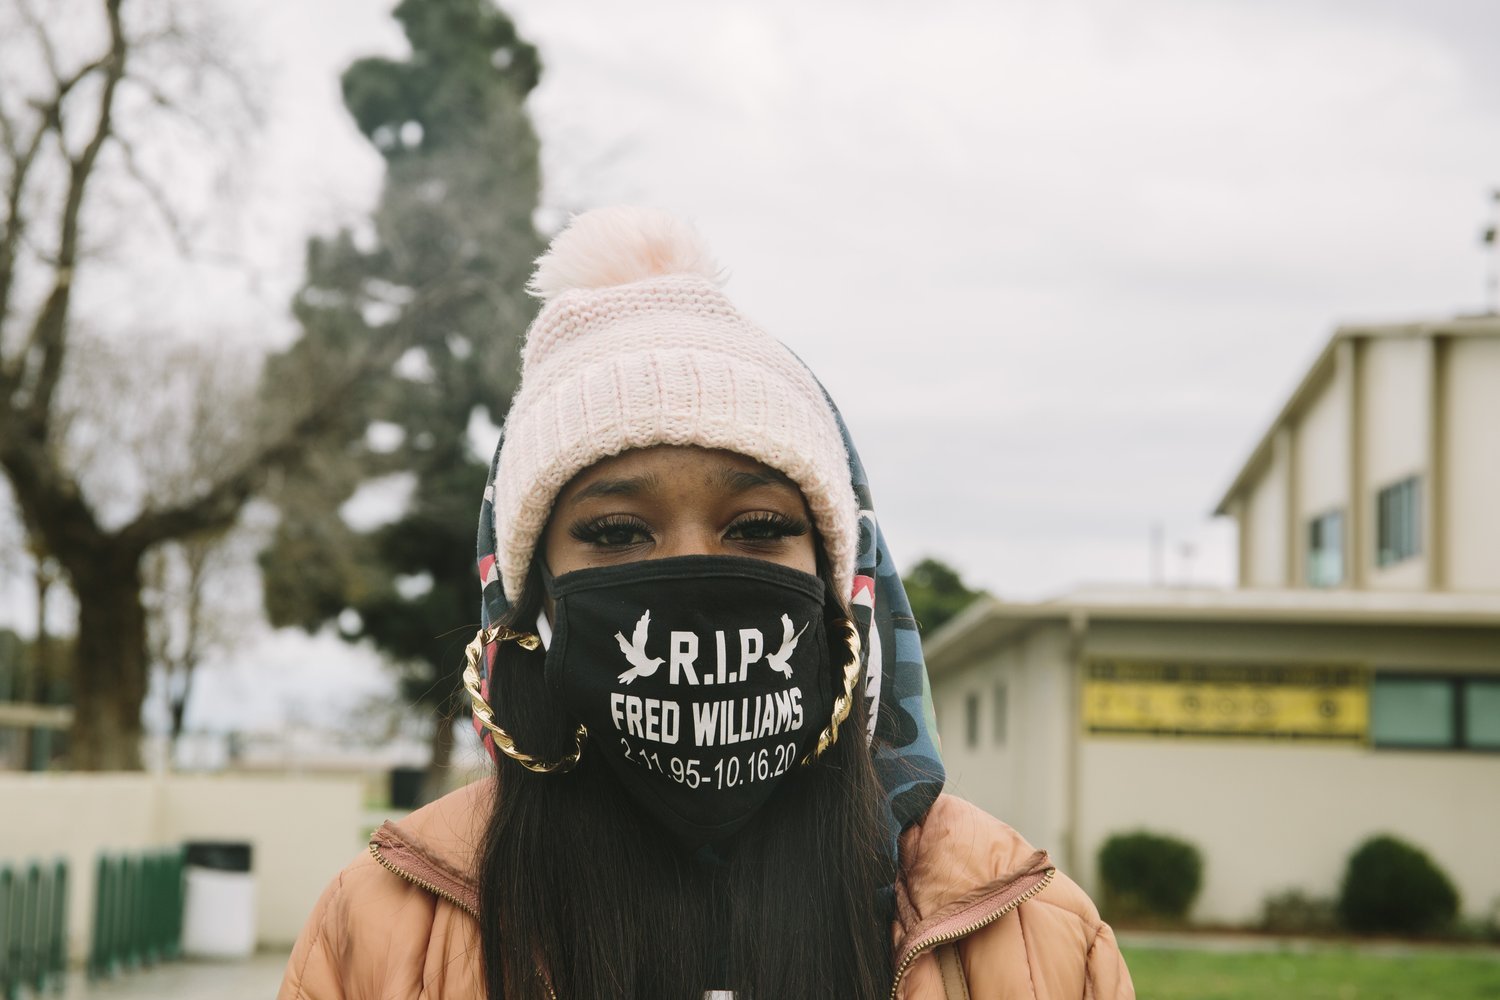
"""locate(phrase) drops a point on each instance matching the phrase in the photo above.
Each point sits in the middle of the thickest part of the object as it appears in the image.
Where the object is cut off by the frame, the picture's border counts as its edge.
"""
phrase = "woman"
(701, 681)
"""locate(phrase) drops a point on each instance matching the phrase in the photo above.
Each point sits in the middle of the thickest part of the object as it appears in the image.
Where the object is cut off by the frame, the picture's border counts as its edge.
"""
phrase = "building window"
(1412, 712)
(1435, 713)
(1398, 522)
(1002, 716)
(971, 719)
(1325, 550)
(1481, 721)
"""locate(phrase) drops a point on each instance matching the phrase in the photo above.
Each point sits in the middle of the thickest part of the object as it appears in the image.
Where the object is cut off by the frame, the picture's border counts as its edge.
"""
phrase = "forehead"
(671, 467)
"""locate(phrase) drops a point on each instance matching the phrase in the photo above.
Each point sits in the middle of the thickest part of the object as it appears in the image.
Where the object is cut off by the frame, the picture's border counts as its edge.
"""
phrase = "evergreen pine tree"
(439, 291)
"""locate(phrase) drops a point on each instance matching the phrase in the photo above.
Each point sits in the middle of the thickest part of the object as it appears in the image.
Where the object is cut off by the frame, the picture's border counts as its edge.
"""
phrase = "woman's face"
(671, 500)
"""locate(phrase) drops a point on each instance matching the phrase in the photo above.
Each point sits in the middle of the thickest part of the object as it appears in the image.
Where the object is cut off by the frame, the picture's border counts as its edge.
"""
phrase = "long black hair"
(582, 895)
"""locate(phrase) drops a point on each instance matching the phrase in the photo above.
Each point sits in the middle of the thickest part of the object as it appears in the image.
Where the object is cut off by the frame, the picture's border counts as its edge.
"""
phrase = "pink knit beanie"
(637, 346)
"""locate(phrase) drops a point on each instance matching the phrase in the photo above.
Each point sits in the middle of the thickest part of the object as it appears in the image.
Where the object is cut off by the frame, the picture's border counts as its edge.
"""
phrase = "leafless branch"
(163, 101)
(180, 621)
(15, 227)
(50, 114)
(8, 135)
(41, 489)
(155, 195)
(204, 58)
(216, 507)
(44, 40)
(49, 331)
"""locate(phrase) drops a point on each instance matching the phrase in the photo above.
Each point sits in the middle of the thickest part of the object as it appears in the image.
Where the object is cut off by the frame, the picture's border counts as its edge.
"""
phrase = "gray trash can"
(218, 913)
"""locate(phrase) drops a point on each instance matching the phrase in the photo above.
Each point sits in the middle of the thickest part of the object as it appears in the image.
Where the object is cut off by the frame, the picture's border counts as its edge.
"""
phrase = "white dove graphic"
(777, 660)
(635, 652)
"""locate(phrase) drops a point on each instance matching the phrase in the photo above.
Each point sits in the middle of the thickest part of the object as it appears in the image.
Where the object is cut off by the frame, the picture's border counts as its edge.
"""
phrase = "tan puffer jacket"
(977, 909)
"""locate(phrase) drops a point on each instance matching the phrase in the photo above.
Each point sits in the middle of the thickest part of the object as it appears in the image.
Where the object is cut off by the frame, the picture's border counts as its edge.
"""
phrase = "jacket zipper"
(437, 891)
(927, 944)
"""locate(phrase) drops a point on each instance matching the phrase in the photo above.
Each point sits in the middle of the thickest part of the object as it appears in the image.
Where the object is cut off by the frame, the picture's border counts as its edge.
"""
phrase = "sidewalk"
(1260, 943)
(252, 979)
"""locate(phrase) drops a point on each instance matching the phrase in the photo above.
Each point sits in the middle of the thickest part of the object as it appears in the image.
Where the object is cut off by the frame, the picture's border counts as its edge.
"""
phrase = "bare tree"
(72, 161)
(175, 423)
(183, 625)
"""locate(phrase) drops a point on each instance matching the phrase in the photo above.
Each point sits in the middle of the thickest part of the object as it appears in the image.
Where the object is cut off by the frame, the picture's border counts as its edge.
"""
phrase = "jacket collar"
(961, 869)
(438, 847)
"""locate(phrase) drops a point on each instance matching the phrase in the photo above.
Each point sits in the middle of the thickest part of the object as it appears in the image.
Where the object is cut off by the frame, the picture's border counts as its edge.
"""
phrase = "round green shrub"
(1149, 875)
(1391, 887)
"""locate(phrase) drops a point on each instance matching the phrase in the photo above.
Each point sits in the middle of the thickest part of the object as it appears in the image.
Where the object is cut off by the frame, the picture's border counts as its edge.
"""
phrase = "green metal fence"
(137, 911)
(33, 928)
(137, 919)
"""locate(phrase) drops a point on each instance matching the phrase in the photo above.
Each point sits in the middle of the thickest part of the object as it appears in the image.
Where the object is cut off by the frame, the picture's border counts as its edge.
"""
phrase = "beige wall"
(1265, 519)
(1396, 406)
(1388, 407)
(1023, 781)
(1471, 501)
(1267, 815)
(1322, 457)
(302, 832)
(1392, 648)
(988, 770)
(1272, 816)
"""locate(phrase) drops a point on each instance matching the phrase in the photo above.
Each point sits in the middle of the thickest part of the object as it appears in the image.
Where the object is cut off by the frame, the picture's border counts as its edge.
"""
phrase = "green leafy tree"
(937, 593)
(442, 278)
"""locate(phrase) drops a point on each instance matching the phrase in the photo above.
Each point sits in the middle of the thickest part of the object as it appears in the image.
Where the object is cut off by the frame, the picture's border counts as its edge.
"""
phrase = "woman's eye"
(611, 532)
(766, 527)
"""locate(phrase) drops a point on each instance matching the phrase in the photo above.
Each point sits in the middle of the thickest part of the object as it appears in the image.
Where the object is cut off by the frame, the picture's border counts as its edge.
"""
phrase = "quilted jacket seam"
(1089, 988)
(1094, 926)
(318, 937)
(1025, 949)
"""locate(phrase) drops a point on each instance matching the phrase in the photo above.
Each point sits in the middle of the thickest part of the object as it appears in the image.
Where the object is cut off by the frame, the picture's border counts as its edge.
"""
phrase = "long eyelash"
(594, 530)
(790, 527)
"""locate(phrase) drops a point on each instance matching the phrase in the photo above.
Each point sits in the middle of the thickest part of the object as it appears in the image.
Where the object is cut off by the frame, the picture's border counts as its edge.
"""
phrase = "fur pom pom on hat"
(615, 246)
(637, 346)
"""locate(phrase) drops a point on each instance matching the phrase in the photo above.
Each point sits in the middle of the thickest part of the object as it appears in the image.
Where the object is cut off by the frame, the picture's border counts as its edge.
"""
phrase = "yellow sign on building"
(1228, 700)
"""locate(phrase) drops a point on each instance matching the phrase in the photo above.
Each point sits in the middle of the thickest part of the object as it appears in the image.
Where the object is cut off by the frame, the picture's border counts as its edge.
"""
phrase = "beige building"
(1349, 686)
(1382, 472)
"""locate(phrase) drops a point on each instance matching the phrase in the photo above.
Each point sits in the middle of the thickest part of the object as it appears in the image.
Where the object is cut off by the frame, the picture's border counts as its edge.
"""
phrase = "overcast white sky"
(1059, 262)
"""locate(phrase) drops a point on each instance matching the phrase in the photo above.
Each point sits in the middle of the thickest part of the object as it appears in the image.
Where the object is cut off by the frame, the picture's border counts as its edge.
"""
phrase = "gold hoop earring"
(486, 715)
(845, 701)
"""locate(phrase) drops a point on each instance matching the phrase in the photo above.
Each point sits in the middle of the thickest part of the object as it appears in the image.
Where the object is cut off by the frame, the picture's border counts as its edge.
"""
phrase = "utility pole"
(1188, 550)
(37, 742)
(1158, 544)
(1490, 239)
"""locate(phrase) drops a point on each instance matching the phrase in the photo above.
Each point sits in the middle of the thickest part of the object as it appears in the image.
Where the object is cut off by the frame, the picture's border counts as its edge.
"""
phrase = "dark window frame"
(1459, 684)
(1398, 521)
(971, 719)
(1317, 531)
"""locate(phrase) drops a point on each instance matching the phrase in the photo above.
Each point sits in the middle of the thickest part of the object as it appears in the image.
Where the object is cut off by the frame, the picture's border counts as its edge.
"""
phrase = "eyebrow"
(740, 481)
(734, 480)
(633, 486)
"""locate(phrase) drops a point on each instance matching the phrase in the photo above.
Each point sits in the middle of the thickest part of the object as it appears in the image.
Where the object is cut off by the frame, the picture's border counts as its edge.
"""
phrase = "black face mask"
(703, 681)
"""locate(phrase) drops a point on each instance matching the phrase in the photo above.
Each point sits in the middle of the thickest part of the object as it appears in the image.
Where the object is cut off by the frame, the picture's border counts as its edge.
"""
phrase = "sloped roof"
(1321, 368)
(991, 620)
